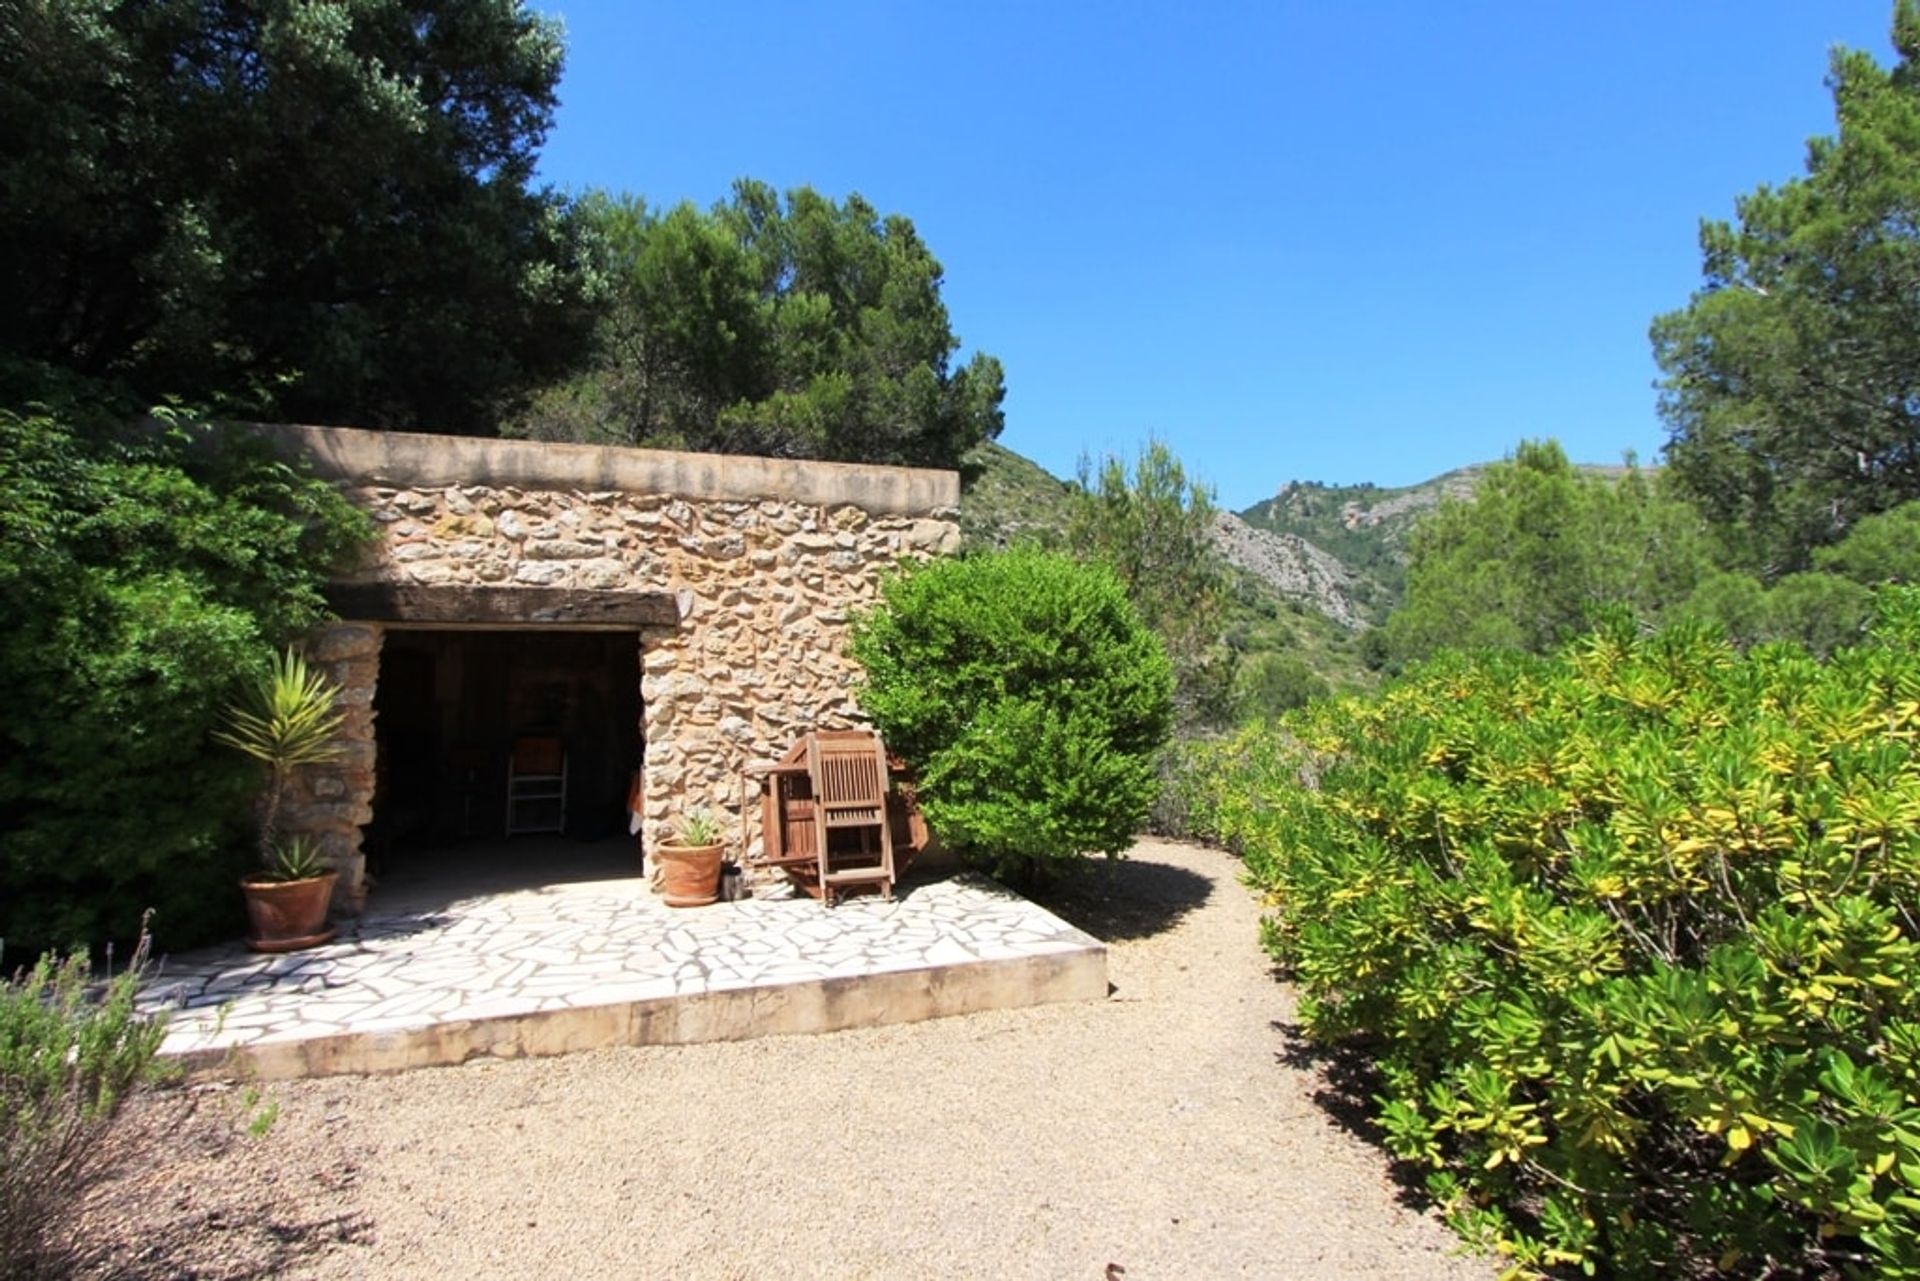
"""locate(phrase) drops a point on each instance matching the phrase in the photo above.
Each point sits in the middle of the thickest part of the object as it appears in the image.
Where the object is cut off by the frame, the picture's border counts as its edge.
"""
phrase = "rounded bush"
(1029, 696)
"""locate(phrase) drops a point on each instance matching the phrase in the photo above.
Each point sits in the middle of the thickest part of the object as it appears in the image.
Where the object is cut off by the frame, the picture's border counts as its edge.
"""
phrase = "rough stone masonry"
(765, 560)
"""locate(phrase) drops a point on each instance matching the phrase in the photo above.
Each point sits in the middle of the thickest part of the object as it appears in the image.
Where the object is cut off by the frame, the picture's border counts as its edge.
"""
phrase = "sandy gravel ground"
(1173, 1131)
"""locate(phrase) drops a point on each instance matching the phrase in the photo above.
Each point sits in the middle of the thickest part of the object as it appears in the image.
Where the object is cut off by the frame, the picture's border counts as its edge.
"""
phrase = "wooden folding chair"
(848, 770)
(536, 786)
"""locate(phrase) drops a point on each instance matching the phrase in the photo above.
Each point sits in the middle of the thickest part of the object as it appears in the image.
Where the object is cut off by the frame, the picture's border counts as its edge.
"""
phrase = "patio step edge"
(785, 1008)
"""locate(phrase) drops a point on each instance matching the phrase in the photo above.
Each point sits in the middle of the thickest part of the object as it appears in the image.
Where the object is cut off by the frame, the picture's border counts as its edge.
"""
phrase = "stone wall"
(331, 802)
(765, 588)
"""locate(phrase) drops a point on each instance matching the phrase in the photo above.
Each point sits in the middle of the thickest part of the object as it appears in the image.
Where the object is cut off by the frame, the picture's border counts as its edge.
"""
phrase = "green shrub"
(1270, 684)
(1152, 524)
(1025, 690)
(1631, 935)
(1375, 651)
(1823, 612)
(1818, 610)
(144, 574)
(1882, 548)
(68, 1060)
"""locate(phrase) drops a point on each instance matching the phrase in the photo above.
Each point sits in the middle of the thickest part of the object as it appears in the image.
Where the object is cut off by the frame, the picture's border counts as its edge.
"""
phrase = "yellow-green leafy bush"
(1631, 934)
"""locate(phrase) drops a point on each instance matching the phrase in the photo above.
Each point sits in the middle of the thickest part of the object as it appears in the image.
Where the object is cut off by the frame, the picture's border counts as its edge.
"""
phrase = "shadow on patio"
(427, 879)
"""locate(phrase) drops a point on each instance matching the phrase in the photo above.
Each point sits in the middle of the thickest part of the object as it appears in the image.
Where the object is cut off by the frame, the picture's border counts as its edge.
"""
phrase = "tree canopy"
(1539, 546)
(1824, 608)
(1792, 378)
(795, 327)
(1153, 526)
(312, 211)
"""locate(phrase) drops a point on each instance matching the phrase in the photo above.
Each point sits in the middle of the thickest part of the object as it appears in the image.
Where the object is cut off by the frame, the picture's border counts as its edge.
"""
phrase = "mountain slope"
(1288, 595)
(1365, 527)
(1295, 570)
(1005, 498)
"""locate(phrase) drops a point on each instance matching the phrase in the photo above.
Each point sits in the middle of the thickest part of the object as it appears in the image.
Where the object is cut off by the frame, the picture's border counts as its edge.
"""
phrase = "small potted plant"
(287, 720)
(689, 862)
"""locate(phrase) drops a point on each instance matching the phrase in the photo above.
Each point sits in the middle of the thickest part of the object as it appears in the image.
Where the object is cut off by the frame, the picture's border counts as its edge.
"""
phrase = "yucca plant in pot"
(286, 720)
(689, 862)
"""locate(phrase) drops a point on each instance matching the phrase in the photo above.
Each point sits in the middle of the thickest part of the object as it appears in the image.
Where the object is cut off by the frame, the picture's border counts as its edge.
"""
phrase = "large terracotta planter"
(689, 874)
(288, 915)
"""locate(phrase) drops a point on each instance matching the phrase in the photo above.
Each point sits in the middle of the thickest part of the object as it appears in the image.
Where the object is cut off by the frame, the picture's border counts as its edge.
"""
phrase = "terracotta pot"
(689, 874)
(288, 915)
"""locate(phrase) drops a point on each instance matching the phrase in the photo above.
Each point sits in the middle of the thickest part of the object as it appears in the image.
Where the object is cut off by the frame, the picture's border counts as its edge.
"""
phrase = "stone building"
(675, 615)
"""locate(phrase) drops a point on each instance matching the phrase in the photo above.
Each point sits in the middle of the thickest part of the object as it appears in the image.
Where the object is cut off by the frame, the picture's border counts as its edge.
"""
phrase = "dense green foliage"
(1884, 548)
(1537, 549)
(1819, 611)
(143, 575)
(310, 211)
(1029, 696)
(1826, 607)
(1792, 378)
(1540, 545)
(1630, 934)
(796, 328)
(67, 1064)
(1270, 683)
(1153, 526)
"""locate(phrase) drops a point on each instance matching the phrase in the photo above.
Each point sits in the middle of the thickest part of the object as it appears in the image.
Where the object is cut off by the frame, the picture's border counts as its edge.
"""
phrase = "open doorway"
(464, 718)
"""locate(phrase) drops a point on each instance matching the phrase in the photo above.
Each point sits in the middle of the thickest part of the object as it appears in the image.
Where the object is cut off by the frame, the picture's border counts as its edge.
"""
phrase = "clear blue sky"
(1337, 241)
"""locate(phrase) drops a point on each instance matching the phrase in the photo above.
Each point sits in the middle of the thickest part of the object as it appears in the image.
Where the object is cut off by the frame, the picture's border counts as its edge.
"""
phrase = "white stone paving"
(580, 944)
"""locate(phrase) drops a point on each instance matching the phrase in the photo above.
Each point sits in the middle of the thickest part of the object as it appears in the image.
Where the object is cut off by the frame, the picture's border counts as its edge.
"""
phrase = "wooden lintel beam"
(451, 605)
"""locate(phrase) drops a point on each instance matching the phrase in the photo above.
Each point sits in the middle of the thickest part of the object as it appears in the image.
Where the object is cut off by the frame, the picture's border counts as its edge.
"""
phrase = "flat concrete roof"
(419, 460)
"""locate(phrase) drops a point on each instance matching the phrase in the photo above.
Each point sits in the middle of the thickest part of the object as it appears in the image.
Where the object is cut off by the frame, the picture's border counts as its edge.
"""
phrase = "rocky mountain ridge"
(1339, 550)
(1294, 568)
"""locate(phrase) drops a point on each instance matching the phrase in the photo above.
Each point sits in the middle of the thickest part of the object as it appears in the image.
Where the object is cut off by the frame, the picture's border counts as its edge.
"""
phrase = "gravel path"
(1167, 1132)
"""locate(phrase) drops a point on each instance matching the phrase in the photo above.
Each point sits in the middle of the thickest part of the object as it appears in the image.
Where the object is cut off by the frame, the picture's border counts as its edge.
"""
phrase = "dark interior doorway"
(450, 708)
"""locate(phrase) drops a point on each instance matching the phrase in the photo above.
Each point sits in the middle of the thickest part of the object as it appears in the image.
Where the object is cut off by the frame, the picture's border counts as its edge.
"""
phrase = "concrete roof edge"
(425, 460)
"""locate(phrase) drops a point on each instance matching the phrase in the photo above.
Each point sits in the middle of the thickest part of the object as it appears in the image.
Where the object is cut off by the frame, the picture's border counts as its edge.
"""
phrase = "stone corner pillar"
(331, 802)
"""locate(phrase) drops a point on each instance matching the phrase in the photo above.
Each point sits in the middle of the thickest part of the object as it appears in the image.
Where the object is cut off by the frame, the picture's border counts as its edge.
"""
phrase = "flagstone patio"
(428, 980)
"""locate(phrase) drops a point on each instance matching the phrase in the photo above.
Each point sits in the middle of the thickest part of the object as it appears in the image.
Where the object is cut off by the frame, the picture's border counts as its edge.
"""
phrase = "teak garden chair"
(849, 774)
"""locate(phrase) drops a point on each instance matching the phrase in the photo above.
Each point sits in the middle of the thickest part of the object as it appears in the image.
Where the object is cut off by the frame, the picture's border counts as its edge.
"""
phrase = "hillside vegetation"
(1365, 527)
(1006, 498)
(1368, 528)
(1284, 596)
(1312, 570)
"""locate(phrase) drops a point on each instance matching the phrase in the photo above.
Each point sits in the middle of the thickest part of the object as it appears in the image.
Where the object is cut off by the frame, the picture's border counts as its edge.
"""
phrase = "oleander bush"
(1029, 696)
(1630, 934)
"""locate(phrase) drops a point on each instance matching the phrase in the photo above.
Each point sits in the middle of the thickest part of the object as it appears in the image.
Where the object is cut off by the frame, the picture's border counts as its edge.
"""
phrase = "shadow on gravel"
(1345, 1082)
(255, 1244)
(188, 1193)
(1119, 899)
